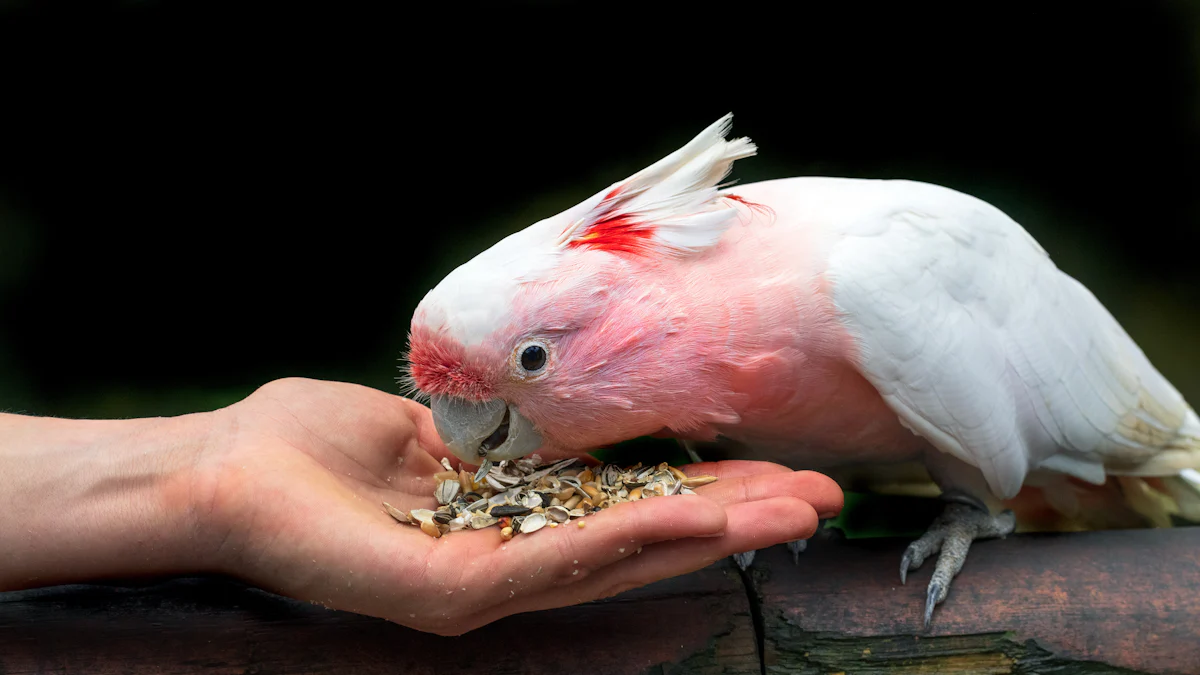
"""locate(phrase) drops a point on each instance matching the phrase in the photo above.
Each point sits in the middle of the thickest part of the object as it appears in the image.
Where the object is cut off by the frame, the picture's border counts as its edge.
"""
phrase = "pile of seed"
(524, 495)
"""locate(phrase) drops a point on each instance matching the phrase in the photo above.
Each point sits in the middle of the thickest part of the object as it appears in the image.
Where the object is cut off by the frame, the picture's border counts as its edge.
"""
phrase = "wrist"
(87, 499)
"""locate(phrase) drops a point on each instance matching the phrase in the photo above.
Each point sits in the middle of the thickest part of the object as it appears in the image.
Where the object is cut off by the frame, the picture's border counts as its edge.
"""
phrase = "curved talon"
(950, 538)
(833, 533)
(931, 600)
(797, 547)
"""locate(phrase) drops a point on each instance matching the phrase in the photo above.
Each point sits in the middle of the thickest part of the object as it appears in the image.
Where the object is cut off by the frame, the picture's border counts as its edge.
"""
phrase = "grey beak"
(490, 429)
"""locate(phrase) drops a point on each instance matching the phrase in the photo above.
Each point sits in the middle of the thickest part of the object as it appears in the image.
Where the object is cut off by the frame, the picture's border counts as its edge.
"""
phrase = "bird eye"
(533, 358)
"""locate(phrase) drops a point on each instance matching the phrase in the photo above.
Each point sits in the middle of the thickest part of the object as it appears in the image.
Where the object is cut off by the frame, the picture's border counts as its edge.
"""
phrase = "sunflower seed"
(484, 468)
(479, 521)
(395, 513)
(420, 516)
(476, 506)
(446, 491)
(505, 479)
(611, 475)
(506, 511)
(533, 522)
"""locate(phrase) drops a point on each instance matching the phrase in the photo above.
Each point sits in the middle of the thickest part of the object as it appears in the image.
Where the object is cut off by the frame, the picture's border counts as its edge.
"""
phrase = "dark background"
(198, 197)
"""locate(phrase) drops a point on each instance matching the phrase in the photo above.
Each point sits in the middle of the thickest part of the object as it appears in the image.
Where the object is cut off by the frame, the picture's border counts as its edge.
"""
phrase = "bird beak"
(492, 429)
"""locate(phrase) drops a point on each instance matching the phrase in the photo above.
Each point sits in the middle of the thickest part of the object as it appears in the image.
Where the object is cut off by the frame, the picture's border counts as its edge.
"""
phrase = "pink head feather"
(605, 287)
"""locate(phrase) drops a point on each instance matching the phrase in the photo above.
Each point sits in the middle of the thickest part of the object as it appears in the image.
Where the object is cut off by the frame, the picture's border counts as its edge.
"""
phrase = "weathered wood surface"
(684, 625)
(1125, 599)
(1097, 602)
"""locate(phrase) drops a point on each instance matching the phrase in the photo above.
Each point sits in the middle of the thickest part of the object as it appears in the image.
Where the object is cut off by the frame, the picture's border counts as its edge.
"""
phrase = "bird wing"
(983, 347)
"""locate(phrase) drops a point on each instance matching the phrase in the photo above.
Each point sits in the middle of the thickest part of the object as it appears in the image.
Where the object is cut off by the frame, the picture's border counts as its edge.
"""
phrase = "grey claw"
(743, 560)
(833, 533)
(950, 537)
(797, 547)
(931, 601)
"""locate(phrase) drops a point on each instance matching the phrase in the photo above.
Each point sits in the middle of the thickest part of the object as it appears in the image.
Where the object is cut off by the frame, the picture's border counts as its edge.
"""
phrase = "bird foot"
(797, 547)
(950, 535)
(744, 560)
(825, 531)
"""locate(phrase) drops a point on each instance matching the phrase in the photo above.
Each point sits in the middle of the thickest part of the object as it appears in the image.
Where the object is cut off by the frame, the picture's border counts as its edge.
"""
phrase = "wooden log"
(1100, 602)
(698, 623)
(1095, 602)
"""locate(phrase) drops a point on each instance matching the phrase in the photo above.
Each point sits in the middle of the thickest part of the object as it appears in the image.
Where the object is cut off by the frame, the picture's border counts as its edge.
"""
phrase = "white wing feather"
(981, 345)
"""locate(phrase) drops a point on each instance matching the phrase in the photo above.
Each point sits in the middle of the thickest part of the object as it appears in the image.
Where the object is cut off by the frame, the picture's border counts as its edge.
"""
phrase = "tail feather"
(1149, 500)
(1185, 489)
(1181, 454)
(1060, 503)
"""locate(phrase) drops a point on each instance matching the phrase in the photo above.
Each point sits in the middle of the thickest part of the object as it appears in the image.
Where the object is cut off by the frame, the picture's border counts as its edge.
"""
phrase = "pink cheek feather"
(632, 362)
(439, 365)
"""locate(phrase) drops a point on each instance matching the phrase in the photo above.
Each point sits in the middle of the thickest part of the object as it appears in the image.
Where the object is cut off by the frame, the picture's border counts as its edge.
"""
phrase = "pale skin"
(284, 490)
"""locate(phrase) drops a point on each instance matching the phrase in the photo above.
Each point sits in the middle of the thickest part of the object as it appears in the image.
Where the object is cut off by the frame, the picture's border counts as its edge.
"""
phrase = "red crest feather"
(618, 234)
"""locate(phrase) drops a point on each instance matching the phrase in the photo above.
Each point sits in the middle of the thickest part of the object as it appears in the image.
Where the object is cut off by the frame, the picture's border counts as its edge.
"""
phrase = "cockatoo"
(815, 322)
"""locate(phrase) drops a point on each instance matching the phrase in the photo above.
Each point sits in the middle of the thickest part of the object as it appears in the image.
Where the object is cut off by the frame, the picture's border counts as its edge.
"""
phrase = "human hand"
(293, 479)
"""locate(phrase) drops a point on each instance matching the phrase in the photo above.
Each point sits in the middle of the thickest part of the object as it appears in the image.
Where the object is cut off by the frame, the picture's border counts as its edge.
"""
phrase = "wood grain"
(684, 625)
(1113, 600)
(1099, 602)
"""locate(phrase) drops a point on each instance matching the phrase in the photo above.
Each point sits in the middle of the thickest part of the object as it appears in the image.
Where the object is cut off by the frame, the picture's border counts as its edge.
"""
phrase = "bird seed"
(523, 496)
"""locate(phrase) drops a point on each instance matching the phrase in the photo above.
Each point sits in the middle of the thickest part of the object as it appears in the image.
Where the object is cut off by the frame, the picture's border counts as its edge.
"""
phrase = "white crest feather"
(674, 201)
(676, 197)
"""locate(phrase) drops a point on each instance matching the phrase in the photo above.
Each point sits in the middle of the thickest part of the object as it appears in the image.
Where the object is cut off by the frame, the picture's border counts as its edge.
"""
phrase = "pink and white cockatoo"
(815, 322)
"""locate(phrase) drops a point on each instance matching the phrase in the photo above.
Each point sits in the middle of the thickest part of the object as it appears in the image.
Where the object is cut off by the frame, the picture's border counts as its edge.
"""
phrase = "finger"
(426, 435)
(733, 468)
(570, 551)
(750, 526)
(817, 489)
(378, 432)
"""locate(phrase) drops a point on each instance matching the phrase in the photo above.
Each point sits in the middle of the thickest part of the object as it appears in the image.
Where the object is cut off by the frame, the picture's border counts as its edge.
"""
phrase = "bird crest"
(673, 205)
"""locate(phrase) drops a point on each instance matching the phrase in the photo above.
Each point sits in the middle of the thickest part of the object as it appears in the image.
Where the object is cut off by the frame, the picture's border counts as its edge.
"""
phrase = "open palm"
(298, 479)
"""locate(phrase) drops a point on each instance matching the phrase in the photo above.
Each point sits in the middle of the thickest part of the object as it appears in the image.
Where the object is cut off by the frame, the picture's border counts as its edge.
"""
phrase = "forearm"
(86, 499)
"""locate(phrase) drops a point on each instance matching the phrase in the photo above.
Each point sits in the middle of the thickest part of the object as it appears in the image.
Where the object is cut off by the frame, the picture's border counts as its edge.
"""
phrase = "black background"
(197, 197)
